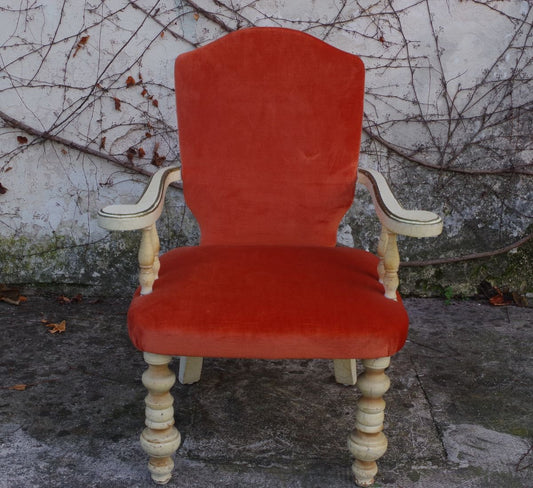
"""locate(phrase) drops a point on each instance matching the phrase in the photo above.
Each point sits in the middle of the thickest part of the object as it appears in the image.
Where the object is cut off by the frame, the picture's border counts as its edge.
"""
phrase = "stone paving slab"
(459, 411)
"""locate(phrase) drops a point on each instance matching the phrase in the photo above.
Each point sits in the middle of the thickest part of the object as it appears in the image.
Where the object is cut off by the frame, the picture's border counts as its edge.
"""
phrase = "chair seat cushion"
(268, 302)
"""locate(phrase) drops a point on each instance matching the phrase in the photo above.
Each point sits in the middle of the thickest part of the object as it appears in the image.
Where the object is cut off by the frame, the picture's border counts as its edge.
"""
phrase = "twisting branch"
(519, 170)
(46, 136)
(469, 257)
(209, 15)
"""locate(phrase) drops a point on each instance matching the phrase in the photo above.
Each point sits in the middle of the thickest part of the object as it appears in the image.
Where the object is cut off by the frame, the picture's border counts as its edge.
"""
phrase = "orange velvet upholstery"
(269, 122)
(268, 302)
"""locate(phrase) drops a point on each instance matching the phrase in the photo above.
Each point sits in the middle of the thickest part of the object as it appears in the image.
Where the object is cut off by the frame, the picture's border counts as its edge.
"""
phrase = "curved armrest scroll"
(147, 210)
(414, 223)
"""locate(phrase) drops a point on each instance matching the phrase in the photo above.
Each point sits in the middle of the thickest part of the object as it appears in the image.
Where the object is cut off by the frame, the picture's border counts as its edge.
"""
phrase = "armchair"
(269, 125)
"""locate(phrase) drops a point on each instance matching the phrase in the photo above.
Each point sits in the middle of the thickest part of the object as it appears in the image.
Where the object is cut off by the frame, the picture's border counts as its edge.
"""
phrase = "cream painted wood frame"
(367, 443)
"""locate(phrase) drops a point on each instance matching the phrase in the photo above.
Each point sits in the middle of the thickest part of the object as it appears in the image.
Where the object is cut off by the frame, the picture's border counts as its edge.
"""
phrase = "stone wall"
(87, 111)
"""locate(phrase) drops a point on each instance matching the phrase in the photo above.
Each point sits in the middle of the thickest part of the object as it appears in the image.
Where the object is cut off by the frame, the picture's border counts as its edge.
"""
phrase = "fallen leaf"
(3, 189)
(500, 300)
(499, 297)
(144, 92)
(11, 295)
(117, 103)
(63, 300)
(55, 328)
(196, 16)
(147, 134)
(102, 143)
(64, 151)
(22, 140)
(19, 387)
(141, 152)
(130, 81)
(155, 103)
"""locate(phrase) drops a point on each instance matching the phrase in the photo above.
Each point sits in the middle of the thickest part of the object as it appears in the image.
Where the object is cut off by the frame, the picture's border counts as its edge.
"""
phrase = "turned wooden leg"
(345, 371)
(190, 369)
(367, 442)
(147, 275)
(156, 246)
(160, 439)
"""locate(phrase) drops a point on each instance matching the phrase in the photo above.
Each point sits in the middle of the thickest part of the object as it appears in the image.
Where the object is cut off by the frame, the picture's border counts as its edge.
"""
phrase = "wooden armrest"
(414, 223)
(146, 211)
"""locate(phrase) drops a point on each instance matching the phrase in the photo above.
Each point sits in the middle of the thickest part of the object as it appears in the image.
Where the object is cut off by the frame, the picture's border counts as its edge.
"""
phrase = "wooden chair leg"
(160, 439)
(345, 371)
(367, 442)
(190, 369)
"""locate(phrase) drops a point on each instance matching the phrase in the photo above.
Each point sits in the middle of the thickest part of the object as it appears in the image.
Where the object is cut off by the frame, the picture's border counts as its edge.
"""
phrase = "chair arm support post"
(156, 247)
(381, 251)
(395, 220)
(147, 260)
(143, 215)
(391, 263)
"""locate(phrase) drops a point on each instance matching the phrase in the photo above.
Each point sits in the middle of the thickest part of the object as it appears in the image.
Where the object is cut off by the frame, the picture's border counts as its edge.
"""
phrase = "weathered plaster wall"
(448, 119)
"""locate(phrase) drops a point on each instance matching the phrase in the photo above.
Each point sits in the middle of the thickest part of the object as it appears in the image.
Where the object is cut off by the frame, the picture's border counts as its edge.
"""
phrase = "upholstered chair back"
(269, 134)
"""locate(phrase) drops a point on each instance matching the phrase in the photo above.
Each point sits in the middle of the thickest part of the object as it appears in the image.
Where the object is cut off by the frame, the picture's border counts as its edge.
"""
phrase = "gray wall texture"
(87, 112)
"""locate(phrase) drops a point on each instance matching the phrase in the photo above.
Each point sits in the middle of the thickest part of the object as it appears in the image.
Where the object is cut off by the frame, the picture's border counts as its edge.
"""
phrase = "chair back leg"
(345, 371)
(190, 369)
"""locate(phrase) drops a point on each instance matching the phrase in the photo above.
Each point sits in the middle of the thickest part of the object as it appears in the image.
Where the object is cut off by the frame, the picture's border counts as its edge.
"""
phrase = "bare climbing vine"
(85, 78)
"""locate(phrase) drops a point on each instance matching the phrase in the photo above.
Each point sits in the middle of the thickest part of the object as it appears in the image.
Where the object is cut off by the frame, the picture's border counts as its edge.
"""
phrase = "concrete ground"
(459, 412)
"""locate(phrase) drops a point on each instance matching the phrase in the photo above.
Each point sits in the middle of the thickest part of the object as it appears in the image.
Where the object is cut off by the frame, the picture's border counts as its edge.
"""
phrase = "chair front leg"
(367, 443)
(160, 439)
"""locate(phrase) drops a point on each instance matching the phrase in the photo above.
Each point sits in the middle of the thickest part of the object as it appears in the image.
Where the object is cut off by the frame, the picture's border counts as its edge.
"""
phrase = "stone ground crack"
(438, 429)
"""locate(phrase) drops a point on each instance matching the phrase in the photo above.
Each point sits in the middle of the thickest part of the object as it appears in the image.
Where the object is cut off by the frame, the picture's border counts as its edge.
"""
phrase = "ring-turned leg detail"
(367, 443)
(160, 439)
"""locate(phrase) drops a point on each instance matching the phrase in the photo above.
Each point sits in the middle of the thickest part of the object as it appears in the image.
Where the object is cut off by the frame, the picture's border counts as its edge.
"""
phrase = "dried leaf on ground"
(19, 387)
(3, 189)
(55, 328)
(11, 295)
(501, 297)
(130, 81)
(63, 299)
